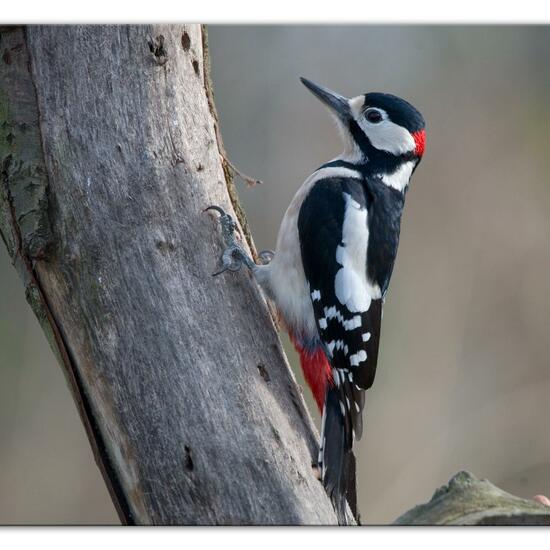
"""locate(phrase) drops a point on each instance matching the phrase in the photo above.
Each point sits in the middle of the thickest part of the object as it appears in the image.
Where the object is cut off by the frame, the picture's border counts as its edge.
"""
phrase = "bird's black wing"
(334, 235)
(350, 334)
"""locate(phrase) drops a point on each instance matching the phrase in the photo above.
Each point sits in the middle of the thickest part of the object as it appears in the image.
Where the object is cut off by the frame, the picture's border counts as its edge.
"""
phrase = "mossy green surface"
(23, 174)
(24, 221)
(466, 500)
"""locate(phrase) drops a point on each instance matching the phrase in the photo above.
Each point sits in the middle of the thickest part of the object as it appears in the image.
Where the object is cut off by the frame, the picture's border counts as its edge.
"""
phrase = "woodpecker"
(334, 257)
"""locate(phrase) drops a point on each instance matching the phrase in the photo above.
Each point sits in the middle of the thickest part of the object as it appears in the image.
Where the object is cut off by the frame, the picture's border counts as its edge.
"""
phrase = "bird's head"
(376, 126)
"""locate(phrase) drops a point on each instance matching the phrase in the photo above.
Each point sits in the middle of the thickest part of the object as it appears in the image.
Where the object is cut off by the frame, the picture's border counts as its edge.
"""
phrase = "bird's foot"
(265, 256)
(234, 256)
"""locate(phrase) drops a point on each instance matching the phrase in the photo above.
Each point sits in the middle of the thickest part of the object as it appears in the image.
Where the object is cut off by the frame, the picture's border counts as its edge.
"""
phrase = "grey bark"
(466, 500)
(110, 153)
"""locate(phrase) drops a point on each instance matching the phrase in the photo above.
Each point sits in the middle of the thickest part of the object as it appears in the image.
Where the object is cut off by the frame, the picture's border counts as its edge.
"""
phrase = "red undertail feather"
(316, 369)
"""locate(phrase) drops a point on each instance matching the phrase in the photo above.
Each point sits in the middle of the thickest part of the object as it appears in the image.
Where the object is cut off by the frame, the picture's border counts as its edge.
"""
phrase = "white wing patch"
(337, 345)
(352, 288)
(357, 358)
(332, 312)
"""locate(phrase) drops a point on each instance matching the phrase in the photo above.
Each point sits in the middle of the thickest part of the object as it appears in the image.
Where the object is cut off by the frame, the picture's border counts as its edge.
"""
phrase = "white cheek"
(388, 136)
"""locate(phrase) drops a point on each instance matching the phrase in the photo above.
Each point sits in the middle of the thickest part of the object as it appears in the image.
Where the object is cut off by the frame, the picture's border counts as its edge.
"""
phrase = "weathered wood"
(109, 156)
(109, 152)
(466, 500)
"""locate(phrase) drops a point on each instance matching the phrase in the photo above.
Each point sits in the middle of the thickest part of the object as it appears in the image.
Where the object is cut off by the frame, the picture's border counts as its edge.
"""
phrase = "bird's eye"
(374, 116)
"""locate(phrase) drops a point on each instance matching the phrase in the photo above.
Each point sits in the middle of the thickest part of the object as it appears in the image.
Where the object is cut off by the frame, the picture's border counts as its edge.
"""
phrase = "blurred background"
(463, 380)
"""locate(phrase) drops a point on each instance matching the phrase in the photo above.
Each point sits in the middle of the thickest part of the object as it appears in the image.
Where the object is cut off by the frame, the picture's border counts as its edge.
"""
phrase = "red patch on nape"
(316, 369)
(420, 141)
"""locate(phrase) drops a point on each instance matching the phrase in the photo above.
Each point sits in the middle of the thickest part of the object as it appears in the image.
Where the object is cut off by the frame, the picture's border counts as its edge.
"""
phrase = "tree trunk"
(109, 154)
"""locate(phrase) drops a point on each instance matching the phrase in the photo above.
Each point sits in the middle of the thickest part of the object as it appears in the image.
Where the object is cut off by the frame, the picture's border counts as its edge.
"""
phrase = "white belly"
(284, 279)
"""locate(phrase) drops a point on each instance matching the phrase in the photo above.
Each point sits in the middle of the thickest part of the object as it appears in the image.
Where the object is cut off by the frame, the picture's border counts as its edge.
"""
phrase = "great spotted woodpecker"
(334, 258)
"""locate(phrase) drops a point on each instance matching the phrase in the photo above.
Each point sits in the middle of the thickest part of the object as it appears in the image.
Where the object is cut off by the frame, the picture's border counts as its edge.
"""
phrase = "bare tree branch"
(466, 500)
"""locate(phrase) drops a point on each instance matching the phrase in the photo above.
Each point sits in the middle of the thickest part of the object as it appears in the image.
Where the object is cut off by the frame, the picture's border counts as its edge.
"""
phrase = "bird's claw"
(233, 256)
(231, 260)
(227, 222)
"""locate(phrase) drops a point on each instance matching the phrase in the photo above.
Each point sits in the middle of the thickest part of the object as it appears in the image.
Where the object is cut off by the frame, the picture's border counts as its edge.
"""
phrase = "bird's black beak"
(339, 104)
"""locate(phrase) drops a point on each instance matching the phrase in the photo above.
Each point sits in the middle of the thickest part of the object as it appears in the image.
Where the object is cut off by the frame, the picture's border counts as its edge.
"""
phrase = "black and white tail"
(336, 458)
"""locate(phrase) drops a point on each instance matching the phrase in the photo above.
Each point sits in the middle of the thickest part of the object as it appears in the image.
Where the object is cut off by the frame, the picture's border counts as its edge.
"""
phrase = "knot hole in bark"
(196, 67)
(156, 47)
(263, 373)
(186, 41)
(188, 459)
